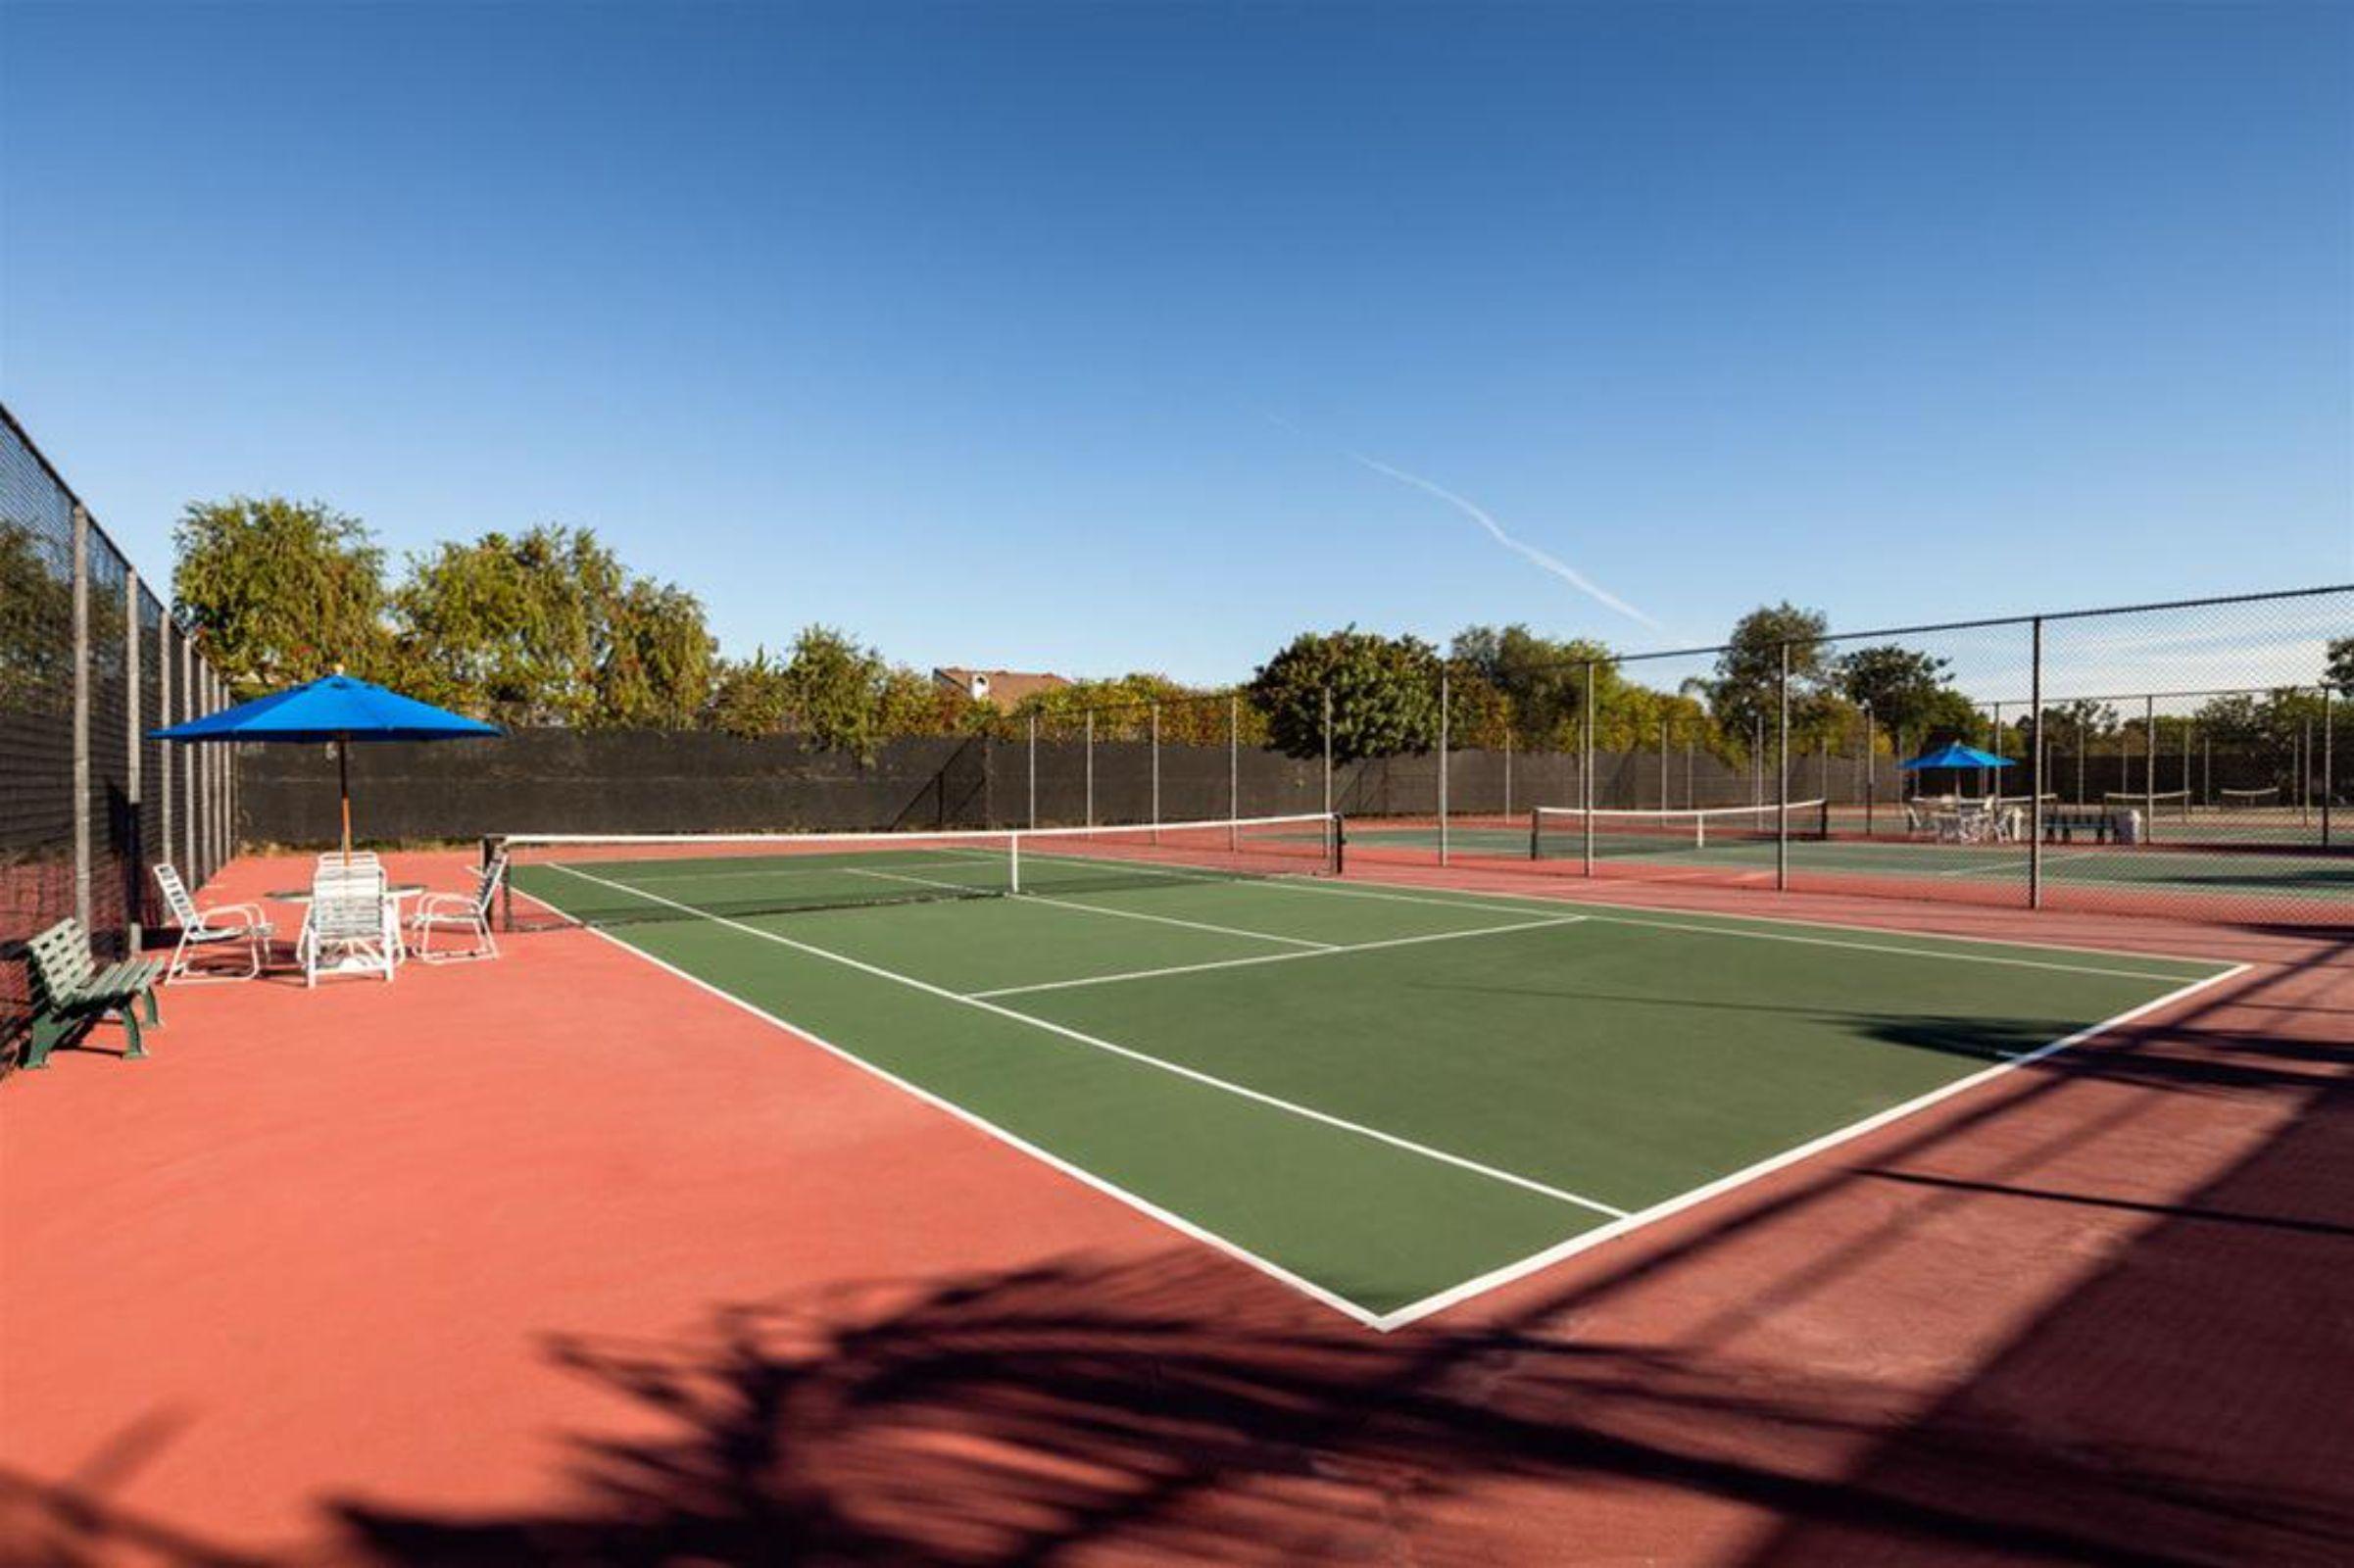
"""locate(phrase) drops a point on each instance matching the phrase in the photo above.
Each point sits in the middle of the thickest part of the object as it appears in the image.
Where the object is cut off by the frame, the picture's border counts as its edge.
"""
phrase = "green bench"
(70, 992)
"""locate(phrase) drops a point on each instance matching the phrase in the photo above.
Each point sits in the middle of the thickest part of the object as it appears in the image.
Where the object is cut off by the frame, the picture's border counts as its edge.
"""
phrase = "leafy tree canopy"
(1384, 694)
(281, 592)
(1749, 672)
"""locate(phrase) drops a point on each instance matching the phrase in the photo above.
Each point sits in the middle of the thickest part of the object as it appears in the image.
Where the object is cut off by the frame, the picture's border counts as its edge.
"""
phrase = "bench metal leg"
(128, 1012)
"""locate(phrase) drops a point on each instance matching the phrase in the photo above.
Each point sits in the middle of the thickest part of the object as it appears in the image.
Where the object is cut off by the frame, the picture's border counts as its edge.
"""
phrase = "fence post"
(1328, 750)
(2149, 765)
(1508, 772)
(1033, 771)
(188, 754)
(81, 721)
(2035, 768)
(2328, 760)
(1585, 766)
(1234, 772)
(1091, 767)
(1870, 770)
(163, 719)
(1156, 765)
(1781, 775)
(132, 781)
(1663, 801)
(1443, 767)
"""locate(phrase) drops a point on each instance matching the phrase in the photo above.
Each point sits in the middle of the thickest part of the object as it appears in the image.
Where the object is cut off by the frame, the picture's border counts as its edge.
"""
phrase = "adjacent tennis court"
(1391, 1098)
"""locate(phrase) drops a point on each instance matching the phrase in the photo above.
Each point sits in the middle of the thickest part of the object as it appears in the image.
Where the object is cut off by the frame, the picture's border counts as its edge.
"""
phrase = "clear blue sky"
(1043, 336)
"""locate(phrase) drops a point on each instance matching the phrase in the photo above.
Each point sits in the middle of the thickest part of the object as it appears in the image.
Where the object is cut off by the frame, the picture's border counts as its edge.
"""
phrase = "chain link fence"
(89, 661)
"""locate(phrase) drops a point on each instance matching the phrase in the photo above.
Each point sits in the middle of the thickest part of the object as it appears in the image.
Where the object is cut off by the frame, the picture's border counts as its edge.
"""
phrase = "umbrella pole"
(343, 787)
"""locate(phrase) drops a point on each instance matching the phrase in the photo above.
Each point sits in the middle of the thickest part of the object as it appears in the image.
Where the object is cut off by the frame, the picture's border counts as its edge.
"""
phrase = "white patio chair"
(459, 911)
(350, 927)
(223, 925)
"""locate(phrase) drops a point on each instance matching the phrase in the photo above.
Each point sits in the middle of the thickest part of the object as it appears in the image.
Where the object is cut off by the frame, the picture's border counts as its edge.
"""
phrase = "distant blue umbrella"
(1953, 753)
(334, 708)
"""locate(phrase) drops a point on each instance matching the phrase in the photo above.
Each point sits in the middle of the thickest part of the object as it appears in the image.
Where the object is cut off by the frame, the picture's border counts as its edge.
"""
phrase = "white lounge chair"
(350, 927)
(459, 911)
(223, 925)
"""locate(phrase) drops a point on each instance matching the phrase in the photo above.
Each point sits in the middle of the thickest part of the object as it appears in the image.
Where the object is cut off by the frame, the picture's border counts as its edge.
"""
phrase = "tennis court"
(1391, 1098)
(2190, 857)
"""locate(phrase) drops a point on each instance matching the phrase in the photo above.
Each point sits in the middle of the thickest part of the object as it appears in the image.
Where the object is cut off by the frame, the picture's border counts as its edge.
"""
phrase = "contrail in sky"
(1552, 564)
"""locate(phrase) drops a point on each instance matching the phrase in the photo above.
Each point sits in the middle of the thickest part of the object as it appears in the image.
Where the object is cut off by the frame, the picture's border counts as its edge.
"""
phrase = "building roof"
(1002, 688)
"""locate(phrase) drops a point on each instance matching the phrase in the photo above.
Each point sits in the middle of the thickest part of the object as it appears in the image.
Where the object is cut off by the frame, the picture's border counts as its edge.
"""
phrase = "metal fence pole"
(1443, 767)
(1782, 776)
(187, 759)
(1870, 770)
(2149, 765)
(1156, 765)
(1091, 767)
(1663, 761)
(1033, 771)
(2035, 788)
(2328, 760)
(2305, 770)
(1328, 750)
(1508, 772)
(163, 718)
(81, 721)
(1585, 766)
(1757, 759)
(1233, 773)
(133, 783)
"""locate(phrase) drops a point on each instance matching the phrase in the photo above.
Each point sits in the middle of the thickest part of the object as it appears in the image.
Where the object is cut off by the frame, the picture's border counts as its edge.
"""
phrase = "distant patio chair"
(222, 926)
(459, 911)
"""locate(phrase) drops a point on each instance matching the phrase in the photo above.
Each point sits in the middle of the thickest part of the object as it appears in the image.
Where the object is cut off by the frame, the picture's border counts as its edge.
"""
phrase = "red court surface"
(559, 1260)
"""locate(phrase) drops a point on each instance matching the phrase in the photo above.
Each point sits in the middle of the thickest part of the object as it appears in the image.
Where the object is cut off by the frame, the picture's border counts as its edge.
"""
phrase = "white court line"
(1125, 914)
(1336, 890)
(1269, 957)
(1243, 1091)
(1580, 1242)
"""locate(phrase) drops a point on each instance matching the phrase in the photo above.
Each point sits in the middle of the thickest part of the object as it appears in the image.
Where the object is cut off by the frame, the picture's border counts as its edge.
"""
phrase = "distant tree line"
(548, 627)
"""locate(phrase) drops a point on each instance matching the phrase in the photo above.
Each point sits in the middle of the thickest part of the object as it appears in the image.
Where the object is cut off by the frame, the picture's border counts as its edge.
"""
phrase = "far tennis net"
(1559, 832)
(599, 880)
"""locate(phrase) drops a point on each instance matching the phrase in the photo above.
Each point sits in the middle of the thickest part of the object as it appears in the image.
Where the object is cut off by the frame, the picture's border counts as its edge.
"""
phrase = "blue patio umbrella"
(1953, 753)
(334, 708)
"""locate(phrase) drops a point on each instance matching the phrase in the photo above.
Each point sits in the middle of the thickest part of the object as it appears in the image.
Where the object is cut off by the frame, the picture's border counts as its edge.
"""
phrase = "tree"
(37, 627)
(1542, 680)
(750, 697)
(1384, 694)
(837, 687)
(548, 627)
(658, 659)
(2339, 674)
(280, 591)
(1749, 672)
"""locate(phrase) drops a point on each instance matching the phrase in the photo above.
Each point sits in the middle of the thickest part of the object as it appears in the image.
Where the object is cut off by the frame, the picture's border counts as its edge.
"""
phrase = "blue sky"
(1109, 338)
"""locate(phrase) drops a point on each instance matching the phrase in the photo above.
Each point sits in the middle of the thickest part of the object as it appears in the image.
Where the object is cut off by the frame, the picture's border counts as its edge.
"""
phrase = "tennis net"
(2161, 803)
(602, 880)
(1558, 832)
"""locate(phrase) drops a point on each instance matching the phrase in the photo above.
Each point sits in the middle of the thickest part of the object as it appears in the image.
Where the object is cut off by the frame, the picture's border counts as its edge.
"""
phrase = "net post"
(2035, 768)
(1443, 767)
(1781, 775)
(1585, 766)
(1034, 769)
(1089, 767)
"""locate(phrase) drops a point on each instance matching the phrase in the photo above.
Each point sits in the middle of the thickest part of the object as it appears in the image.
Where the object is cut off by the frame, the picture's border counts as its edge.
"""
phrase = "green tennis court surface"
(1390, 1098)
(2154, 866)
